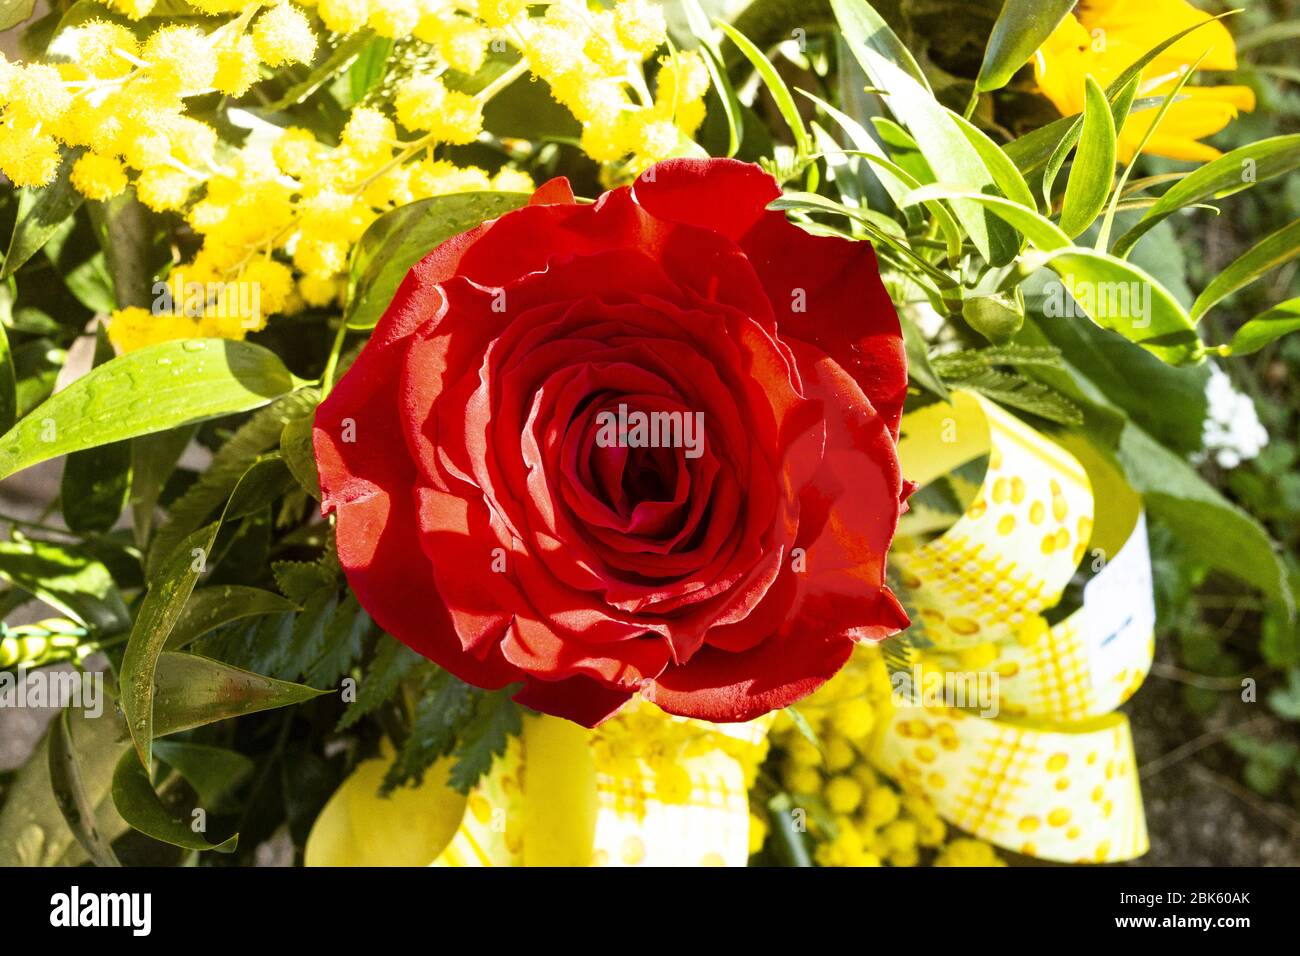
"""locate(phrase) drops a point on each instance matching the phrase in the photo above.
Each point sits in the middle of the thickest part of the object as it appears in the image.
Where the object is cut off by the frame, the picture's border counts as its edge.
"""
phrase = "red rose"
(504, 510)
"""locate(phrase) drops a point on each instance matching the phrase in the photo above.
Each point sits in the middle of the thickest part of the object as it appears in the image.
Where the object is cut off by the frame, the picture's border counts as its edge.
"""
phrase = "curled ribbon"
(641, 790)
(1052, 775)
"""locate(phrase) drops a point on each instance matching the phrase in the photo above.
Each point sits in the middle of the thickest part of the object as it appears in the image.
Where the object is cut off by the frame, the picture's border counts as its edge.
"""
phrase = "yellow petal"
(1145, 23)
(409, 828)
(1204, 111)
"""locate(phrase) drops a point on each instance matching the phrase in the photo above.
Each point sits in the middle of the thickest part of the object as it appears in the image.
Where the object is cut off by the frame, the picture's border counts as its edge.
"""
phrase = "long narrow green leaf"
(1039, 230)
(1103, 236)
(195, 691)
(775, 85)
(70, 793)
(1094, 165)
(731, 107)
(1266, 255)
(8, 385)
(1265, 328)
(1021, 28)
(150, 390)
(140, 806)
(1118, 296)
(945, 147)
(1230, 173)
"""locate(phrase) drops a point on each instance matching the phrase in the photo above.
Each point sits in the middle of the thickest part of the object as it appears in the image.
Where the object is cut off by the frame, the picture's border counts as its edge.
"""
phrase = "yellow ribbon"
(1053, 773)
(644, 789)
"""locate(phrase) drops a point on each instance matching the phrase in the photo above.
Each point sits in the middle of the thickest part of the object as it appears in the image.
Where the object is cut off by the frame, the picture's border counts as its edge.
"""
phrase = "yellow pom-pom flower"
(98, 177)
(27, 157)
(237, 66)
(284, 35)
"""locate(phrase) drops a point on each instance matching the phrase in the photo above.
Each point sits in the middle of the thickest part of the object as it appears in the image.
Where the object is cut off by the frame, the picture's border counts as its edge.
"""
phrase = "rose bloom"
(491, 517)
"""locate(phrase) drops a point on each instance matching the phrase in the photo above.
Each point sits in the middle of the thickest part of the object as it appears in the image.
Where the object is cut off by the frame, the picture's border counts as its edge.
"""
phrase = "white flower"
(1232, 432)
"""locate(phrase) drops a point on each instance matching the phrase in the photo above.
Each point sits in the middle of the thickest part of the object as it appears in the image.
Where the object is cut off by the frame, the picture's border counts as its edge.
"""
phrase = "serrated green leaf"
(484, 738)
(150, 390)
(343, 641)
(1263, 257)
(446, 704)
(392, 663)
(1020, 30)
(397, 240)
(1093, 169)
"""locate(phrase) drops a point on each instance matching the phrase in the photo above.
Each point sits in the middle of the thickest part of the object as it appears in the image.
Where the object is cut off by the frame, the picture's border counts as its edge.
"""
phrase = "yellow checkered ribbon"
(562, 795)
(1046, 770)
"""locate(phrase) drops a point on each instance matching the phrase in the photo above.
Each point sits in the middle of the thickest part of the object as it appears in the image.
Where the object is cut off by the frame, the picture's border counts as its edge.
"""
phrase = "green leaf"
(1210, 527)
(33, 831)
(153, 459)
(14, 12)
(1232, 172)
(298, 453)
(1265, 328)
(213, 772)
(343, 639)
(1121, 297)
(446, 704)
(1103, 235)
(1020, 30)
(945, 146)
(168, 591)
(1039, 230)
(70, 793)
(496, 719)
(369, 67)
(1267, 254)
(1094, 165)
(713, 62)
(213, 607)
(41, 212)
(392, 663)
(1004, 171)
(8, 384)
(134, 244)
(400, 238)
(255, 437)
(66, 579)
(328, 68)
(1029, 396)
(149, 390)
(775, 85)
(194, 691)
(137, 801)
(96, 481)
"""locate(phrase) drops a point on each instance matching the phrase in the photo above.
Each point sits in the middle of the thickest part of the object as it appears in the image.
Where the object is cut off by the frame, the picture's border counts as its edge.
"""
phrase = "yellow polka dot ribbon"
(562, 795)
(1004, 719)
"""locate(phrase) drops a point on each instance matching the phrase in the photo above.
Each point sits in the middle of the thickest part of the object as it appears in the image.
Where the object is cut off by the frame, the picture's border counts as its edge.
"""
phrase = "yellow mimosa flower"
(1103, 37)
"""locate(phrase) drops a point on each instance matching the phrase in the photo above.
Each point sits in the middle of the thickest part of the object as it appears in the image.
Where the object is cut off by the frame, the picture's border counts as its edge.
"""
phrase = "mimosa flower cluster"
(856, 816)
(286, 214)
